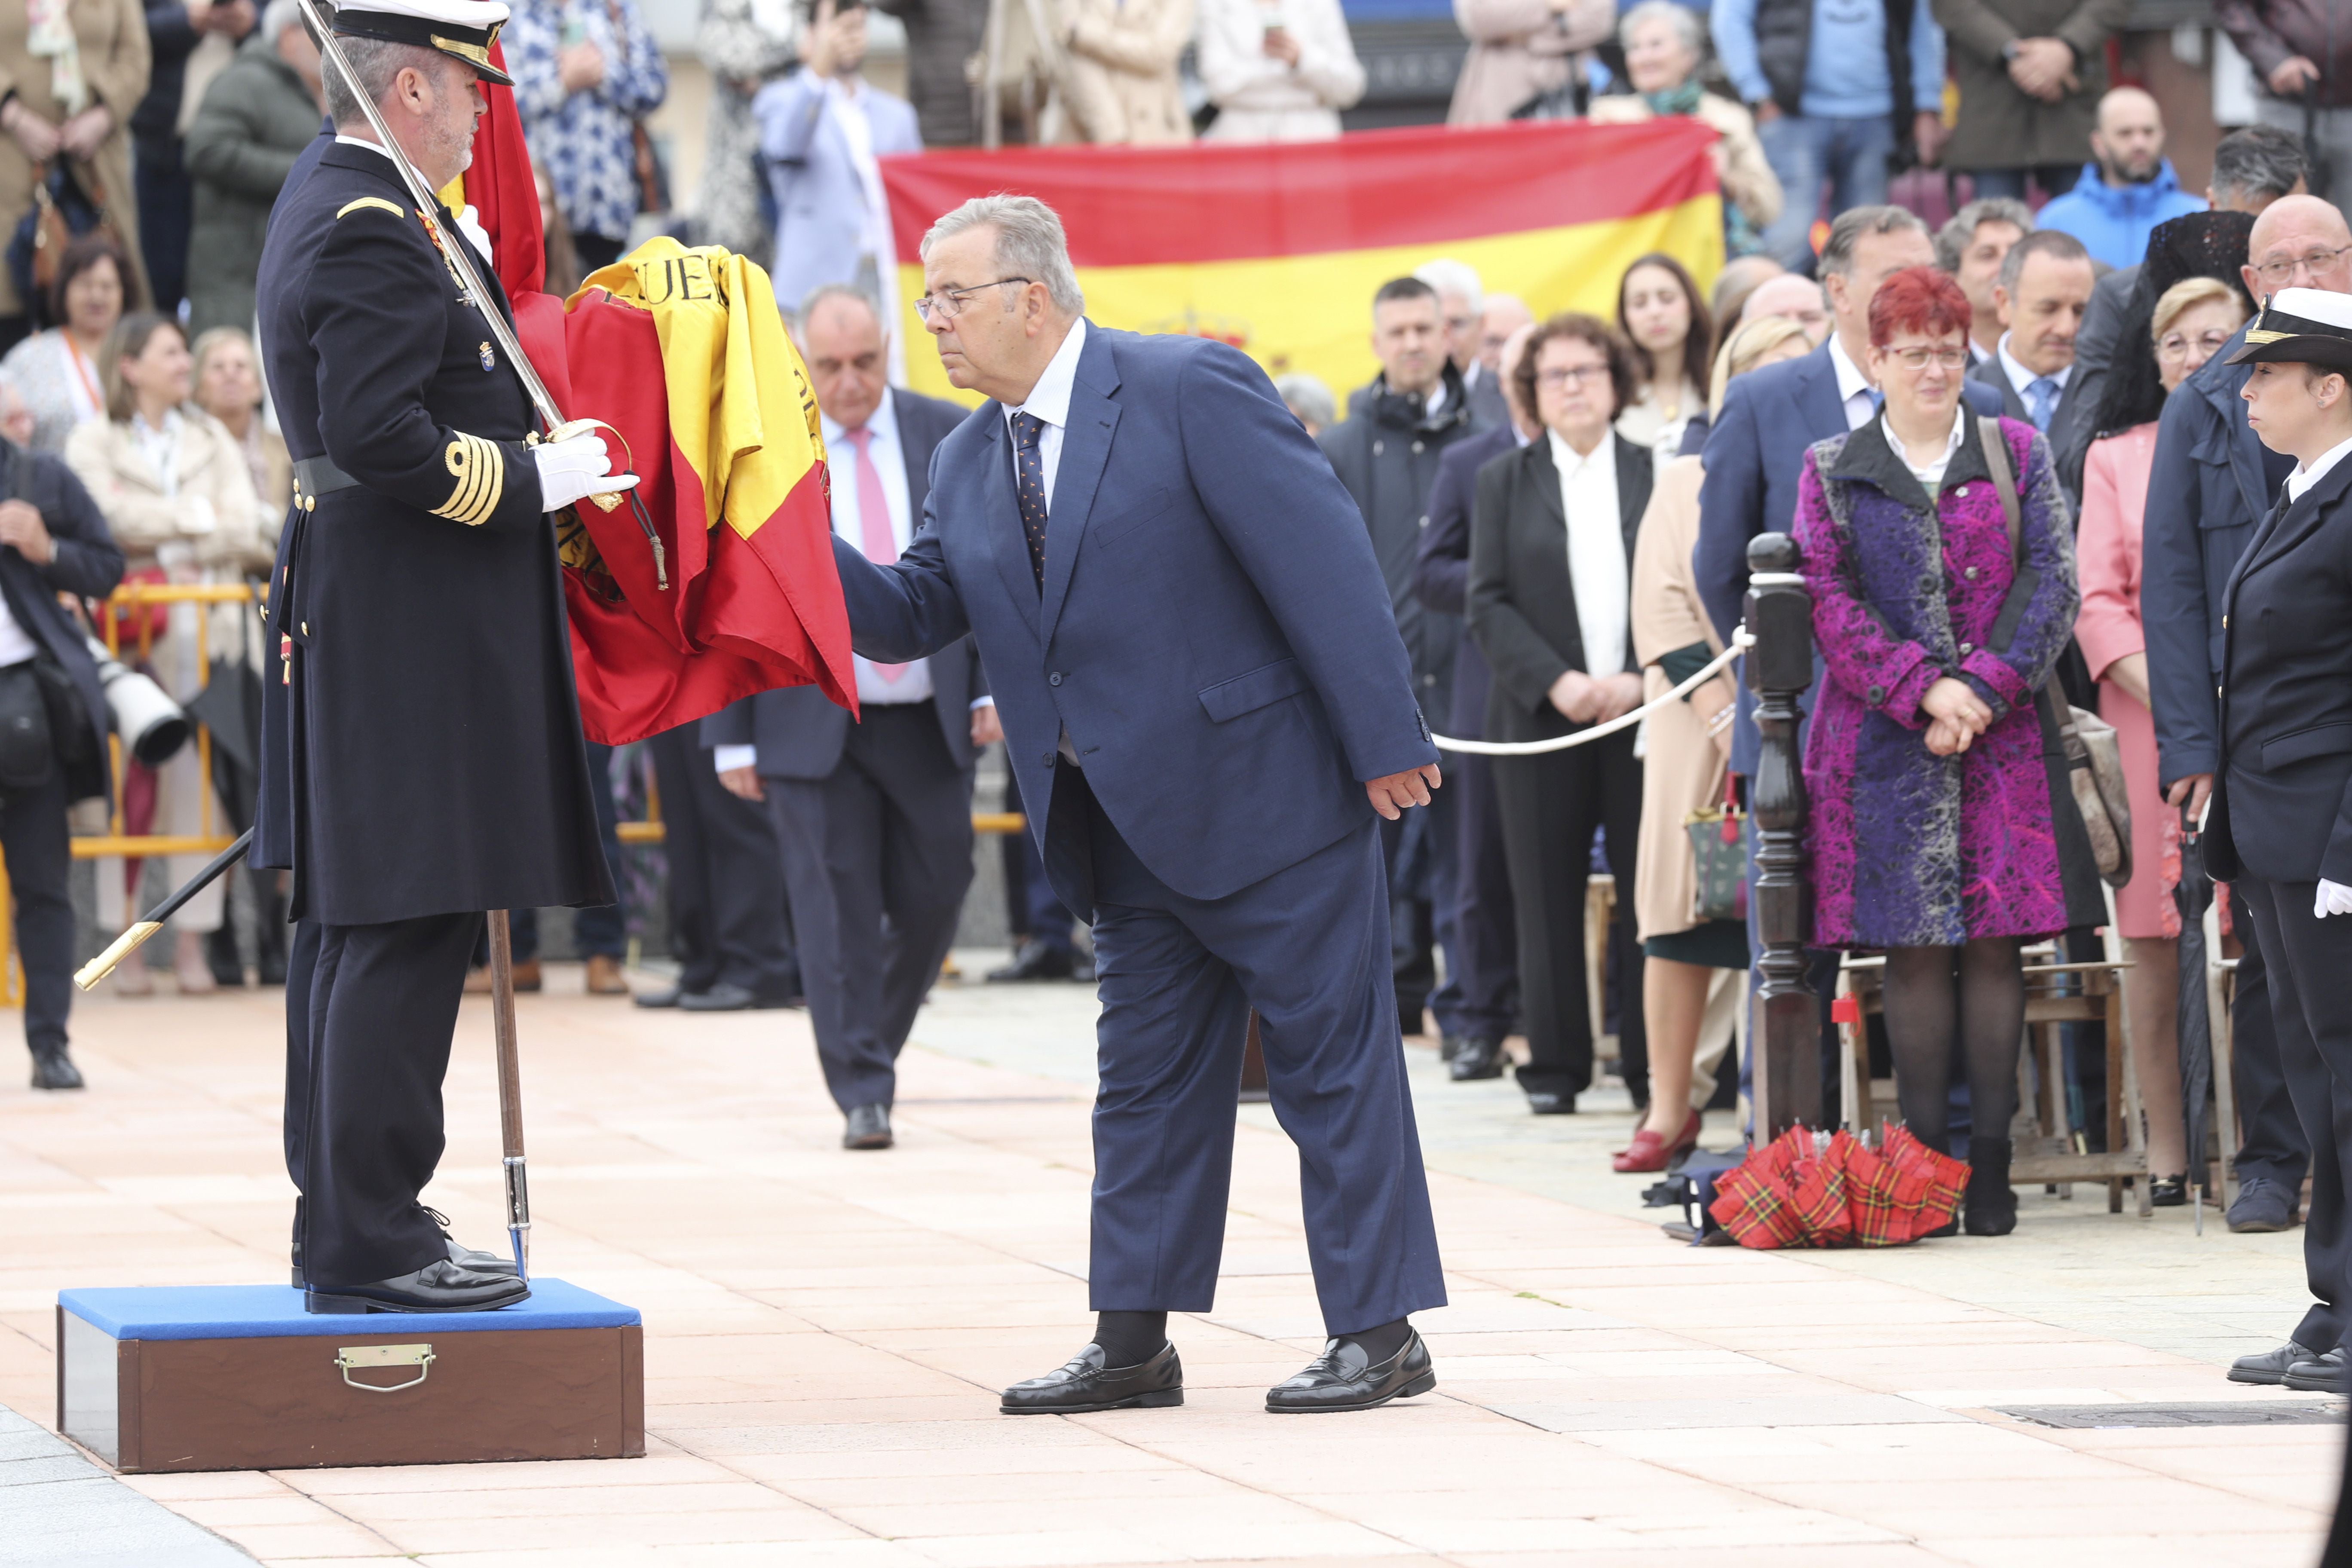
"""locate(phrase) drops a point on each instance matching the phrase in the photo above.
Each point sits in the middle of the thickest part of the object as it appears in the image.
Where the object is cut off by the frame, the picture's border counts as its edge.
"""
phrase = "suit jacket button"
(1049, 759)
(1054, 678)
(1877, 695)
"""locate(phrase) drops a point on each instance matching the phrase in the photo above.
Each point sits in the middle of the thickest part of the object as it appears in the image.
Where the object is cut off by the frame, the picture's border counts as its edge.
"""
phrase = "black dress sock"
(1383, 1341)
(1131, 1339)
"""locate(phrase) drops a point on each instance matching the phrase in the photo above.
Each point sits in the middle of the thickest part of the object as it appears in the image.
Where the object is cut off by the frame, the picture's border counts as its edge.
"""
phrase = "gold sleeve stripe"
(352, 206)
(480, 467)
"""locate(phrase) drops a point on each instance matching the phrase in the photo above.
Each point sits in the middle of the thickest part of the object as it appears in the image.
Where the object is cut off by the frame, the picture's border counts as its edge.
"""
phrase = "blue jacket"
(2113, 221)
(1755, 451)
(820, 200)
(2212, 481)
(1214, 635)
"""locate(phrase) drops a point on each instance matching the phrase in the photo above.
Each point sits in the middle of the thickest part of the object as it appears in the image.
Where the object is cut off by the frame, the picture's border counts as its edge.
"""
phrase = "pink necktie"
(881, 543)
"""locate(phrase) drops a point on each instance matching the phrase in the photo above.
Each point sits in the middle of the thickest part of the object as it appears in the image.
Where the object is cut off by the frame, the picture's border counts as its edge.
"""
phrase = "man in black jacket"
(1387, 453)
(165, 193)
(52, 540)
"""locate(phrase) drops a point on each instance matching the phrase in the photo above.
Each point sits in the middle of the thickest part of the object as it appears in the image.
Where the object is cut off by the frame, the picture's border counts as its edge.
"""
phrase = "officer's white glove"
(2335, 899)
(574, 468)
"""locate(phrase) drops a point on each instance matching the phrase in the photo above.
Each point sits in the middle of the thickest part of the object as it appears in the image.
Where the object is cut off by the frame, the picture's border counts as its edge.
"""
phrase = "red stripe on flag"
(1127, 206)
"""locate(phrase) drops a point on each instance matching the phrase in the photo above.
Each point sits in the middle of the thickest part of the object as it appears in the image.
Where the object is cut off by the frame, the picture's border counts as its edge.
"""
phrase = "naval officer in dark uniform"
(424, 760)
(2280, 823)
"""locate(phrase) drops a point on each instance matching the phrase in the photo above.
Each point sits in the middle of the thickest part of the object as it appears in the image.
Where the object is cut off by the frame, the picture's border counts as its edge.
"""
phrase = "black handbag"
(27, 753)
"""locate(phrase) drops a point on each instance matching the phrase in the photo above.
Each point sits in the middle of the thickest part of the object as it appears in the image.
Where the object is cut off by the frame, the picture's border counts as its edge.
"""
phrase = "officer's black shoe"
(53, 1069)
(437, 1288)
(473, 1257)
(869, 1128)
(669, 996)
(1477, 1058)
(1345, 1378)
(1083, 1383)
(2321, 1375)
(1037, 960)
(2271, 1366)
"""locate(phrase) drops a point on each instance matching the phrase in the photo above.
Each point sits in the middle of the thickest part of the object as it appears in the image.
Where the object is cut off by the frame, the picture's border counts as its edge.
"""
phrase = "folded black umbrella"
(2193, 896)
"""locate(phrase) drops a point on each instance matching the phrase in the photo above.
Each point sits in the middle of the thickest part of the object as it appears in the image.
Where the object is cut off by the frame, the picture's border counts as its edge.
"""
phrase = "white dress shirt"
(1049, 400)
(2021, 376)
(1854, 389)
(1597, 568)
(1929, 469)
(914, 683)
(2303, 479)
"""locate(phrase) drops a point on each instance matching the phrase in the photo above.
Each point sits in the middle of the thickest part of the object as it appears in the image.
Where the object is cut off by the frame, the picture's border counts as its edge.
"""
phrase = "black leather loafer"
(1084, 1383)
(435, 1287)
(53, 1069)
(1550, 1102)
(2320, 1374)
(869, 1128)
(1344, 1378)
(1477, 1058)
(2271, 1366)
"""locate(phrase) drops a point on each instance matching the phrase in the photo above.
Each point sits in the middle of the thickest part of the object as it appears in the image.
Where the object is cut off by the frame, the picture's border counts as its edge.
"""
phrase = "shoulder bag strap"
(2005, 480)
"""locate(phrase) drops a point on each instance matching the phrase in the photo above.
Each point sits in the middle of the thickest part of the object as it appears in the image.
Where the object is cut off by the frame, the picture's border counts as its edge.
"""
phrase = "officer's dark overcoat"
(424, 752)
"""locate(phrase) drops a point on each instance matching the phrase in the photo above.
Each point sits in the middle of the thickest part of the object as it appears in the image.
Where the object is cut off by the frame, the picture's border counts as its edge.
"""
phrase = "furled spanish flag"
(682, 354)
(1277, 248)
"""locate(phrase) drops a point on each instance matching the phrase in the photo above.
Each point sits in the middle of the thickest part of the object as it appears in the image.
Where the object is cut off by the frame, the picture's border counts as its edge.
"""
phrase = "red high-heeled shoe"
(1649, 1152)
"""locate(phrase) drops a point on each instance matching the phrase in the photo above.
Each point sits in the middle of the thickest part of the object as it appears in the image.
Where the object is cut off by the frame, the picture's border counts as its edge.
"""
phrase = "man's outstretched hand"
(1391, 795)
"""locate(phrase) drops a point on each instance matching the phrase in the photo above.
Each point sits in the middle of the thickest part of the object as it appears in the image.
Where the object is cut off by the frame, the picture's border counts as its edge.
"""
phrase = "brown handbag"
(51, 232)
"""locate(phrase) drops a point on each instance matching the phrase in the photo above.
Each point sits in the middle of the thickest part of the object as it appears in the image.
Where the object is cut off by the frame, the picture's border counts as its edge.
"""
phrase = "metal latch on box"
(353, 1356)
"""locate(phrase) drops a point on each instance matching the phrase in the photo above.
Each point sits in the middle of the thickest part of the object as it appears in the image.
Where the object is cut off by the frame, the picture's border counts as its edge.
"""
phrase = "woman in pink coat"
(2193, 319)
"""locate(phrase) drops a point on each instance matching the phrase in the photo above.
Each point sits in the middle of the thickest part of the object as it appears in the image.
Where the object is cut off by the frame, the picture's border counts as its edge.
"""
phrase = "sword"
(123, 946)
(461, 261)
(502, 1020)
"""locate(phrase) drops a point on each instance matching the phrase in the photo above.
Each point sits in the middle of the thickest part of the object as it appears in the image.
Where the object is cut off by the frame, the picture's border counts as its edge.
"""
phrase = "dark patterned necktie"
(1029, 488)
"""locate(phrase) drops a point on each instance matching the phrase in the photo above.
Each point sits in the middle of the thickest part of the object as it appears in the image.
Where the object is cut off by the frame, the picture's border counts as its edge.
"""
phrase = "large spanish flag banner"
(1278, 248)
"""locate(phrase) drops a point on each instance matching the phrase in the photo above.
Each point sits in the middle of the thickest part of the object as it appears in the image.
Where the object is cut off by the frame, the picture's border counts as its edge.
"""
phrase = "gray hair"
(1681, 18)
(1029, 243)
(1851, 225)
(824, 291)
(280, 16)
(1448, 276)
(1954, 238)
(2258, 161)
(1309, 396)
(2055, 243)
(376, 62)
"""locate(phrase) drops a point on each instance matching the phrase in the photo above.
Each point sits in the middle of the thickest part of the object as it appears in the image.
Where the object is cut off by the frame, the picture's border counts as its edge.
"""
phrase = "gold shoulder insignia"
(352, 206)
(480, 467)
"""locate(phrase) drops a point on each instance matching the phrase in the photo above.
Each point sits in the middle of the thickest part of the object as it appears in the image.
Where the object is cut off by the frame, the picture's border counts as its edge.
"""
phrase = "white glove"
(574, 468)
(2335, 899)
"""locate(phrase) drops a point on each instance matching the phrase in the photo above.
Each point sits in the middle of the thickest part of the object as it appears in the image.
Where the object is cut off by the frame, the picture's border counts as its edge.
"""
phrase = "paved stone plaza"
(826, 1332)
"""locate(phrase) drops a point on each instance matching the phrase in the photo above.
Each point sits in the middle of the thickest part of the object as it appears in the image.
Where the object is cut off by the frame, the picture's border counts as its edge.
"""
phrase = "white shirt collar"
(1931, 472)
(884, 423)
(1569, 461)
(1850, 378)
(2302, 479)
(1050, 399)
(2020, 376)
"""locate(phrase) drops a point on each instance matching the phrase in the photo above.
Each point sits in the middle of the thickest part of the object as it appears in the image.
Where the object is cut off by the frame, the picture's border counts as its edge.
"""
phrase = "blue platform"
(275, 1311)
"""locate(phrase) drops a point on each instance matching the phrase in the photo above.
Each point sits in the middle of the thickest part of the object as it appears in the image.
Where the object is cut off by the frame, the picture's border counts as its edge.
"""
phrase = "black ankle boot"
(1992, 1208)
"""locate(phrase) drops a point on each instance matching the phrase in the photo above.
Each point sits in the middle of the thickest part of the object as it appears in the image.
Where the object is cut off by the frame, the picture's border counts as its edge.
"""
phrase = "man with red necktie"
(874, 817)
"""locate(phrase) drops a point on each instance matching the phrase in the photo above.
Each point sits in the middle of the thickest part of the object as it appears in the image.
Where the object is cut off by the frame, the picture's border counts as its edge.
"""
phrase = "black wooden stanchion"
(1780, 667)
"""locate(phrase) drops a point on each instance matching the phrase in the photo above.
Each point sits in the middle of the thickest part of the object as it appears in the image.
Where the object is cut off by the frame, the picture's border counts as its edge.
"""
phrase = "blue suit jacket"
(1214, 633)
(1755, 451)
(819, 198)
(799, 731)
(2212, 481)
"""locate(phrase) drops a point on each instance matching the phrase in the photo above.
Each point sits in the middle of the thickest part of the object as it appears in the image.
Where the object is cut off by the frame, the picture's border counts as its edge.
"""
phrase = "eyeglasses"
(2176, 345)
(1919, 359)
(949, 303)
(1567, 375)
(2317, 264)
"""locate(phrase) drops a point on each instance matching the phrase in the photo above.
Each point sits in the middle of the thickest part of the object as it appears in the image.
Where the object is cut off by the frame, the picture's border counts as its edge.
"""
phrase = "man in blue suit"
(1204, 690)
(2212, 482)
(821, 128)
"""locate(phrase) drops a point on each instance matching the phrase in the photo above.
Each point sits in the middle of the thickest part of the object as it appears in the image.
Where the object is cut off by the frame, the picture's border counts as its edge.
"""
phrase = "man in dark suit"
(419, 555)
(2212, 481)
(2043, 288)
(1190, 645)
(1485, 930)
(2281, 817)
(874, 818)
(53, 540)
(727, 920)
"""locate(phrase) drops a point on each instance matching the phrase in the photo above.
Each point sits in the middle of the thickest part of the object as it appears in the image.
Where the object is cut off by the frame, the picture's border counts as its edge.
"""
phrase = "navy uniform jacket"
(1214, 633)
(2282, 799)
(2212, 481)
(422, 753)
(799, 731)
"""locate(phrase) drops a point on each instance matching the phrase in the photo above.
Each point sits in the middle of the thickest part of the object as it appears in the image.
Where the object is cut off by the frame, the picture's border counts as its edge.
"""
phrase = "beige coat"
(1521, 49)
(1682, 769)
(1747, 181)
(114, 38)
(1120, 86)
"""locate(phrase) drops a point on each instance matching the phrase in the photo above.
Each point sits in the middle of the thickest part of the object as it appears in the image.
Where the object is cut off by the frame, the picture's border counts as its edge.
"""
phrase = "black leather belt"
(316, 477)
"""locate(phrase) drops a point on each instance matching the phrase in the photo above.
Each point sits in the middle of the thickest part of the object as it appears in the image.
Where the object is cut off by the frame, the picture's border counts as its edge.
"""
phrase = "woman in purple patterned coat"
(1931, 832)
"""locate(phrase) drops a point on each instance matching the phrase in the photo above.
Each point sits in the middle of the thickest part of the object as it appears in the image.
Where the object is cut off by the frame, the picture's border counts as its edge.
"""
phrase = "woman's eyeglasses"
(1561, 377)
(2176, 345)
(1920, 359)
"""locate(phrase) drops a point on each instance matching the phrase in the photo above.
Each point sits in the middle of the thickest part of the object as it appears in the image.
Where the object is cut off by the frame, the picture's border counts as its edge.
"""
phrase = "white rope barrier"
(1740, 641)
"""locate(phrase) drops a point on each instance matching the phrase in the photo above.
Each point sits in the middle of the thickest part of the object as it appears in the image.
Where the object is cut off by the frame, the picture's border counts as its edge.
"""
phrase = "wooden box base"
(238, 1377)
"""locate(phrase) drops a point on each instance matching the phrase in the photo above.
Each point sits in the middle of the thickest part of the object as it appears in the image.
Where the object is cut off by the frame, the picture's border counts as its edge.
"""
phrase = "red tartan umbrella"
(1812, 1189)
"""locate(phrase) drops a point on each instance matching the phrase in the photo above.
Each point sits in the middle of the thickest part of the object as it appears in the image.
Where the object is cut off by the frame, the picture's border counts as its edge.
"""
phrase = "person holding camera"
(53, 716)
